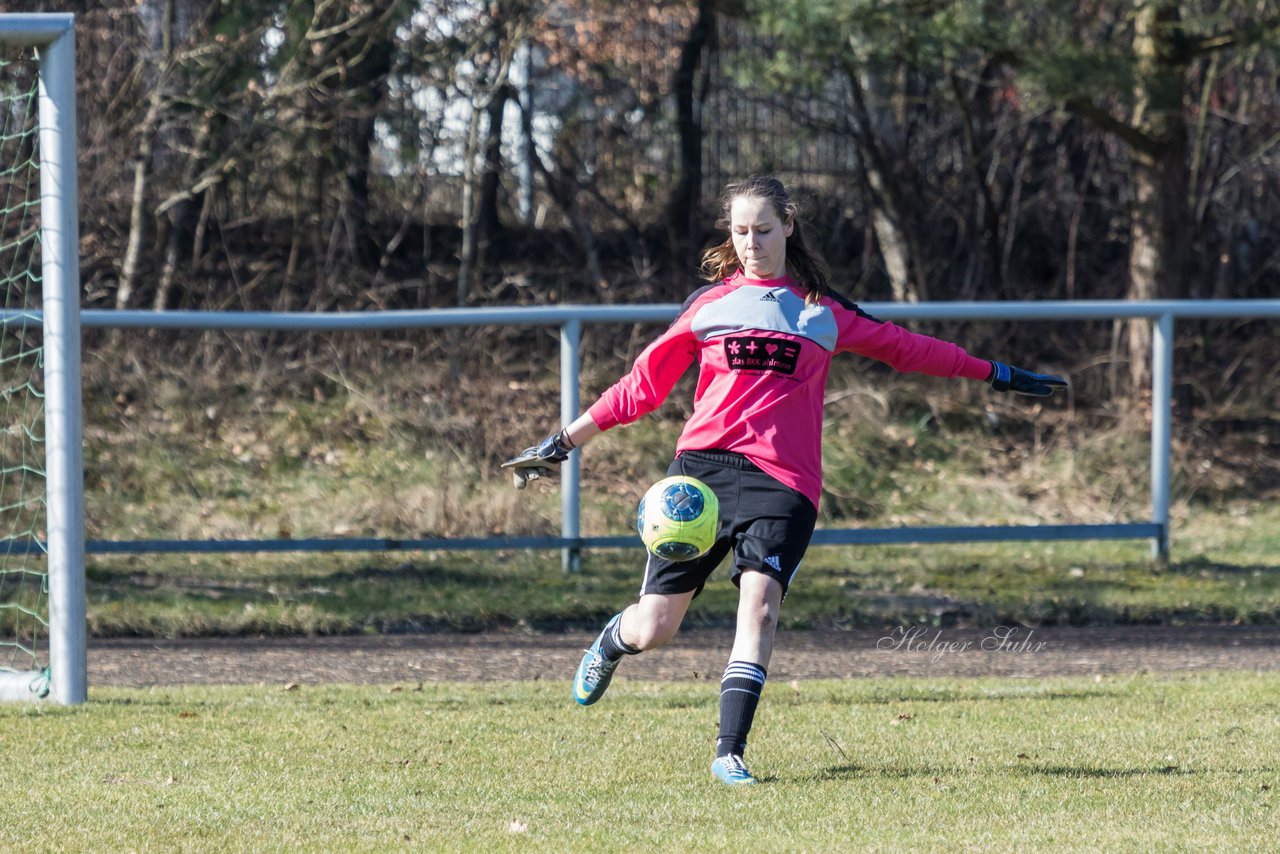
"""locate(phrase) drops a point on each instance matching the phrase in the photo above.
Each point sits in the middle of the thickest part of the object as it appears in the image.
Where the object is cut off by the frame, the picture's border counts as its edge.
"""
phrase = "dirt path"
(694, 654)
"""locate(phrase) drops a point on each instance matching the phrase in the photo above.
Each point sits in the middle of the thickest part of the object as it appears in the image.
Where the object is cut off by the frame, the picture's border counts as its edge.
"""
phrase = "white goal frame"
(53, 37)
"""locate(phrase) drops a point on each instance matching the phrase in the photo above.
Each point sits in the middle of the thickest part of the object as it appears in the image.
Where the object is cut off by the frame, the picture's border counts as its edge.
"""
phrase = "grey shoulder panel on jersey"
(692, 298)
(766, 309)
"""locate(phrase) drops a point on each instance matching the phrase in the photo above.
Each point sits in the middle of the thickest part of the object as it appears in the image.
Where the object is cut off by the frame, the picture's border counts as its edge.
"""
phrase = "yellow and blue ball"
(678, 518)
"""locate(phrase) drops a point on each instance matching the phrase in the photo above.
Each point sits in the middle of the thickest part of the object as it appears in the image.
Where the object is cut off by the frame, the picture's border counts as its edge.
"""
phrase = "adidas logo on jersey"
(768, 297)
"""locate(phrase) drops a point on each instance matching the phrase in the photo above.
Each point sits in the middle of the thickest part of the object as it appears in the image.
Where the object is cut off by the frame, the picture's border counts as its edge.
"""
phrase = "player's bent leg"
(646, 624)
(655, 619)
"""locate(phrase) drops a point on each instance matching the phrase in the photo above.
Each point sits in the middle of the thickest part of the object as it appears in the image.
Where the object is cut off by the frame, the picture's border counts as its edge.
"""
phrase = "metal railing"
(570, 319)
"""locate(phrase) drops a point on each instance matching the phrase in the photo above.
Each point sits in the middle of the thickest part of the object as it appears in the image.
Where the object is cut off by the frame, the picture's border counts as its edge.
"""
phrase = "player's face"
(759, 237)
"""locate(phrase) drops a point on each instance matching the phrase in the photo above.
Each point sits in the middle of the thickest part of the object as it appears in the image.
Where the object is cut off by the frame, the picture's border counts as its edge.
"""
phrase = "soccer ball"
(678, 518)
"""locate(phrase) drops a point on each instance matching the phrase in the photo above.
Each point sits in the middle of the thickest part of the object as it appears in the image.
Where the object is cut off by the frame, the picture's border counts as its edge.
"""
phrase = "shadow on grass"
(1201, 564)
(140, 579)
(937, 773)
(425, 575)
(991, 696)
(1103, 773)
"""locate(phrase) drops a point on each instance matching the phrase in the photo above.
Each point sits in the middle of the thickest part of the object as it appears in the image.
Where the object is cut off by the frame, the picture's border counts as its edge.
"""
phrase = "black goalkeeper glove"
(1007, 378)
(539, 460)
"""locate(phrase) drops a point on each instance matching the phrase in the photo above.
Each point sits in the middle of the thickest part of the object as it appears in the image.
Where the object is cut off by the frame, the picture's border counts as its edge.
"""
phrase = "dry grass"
(226, 436)
(180, 450)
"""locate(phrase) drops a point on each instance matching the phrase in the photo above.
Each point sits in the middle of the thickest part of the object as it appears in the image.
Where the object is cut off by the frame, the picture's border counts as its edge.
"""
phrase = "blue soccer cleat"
(595, 671)
(731, 770)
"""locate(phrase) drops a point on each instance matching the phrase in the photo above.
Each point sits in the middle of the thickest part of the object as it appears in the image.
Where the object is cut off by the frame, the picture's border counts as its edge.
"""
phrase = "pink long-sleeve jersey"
(763, 357)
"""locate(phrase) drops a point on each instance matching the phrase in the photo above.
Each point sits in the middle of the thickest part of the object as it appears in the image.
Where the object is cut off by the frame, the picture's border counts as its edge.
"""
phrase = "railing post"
(570, 336)
(1161, 430)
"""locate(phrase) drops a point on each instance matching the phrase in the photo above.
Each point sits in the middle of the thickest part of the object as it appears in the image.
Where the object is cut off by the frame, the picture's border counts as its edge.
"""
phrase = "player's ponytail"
(805, 265)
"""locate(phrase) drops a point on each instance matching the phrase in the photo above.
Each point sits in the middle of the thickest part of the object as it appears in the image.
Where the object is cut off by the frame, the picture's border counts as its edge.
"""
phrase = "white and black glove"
(1007, 378)
(539, 460)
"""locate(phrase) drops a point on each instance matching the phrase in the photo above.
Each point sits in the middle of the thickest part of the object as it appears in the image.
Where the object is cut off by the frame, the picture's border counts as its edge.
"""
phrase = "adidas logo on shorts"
(774, 562)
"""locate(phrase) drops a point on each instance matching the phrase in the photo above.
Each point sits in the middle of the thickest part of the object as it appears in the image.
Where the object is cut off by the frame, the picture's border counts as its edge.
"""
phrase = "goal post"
(53, 546)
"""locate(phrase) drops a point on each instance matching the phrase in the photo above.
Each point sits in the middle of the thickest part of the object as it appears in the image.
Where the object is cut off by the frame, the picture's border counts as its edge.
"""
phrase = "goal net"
(42, 624)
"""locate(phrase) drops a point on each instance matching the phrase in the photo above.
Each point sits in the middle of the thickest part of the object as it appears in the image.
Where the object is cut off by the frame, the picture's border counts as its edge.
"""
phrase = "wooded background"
(338, 154)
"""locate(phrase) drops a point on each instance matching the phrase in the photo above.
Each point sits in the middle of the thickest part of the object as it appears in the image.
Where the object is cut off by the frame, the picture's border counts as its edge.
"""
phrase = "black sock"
(613, 646)
(740, 689)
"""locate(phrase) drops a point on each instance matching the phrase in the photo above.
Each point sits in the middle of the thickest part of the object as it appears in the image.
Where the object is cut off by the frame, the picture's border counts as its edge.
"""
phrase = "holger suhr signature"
(924, 640)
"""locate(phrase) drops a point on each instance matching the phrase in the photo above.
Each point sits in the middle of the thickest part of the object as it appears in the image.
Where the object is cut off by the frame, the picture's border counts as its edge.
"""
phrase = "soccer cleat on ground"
(731, 770)
(594, 671)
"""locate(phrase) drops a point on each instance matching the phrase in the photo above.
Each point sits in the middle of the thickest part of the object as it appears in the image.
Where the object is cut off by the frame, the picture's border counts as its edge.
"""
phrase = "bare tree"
(488, 90)
(684, 212)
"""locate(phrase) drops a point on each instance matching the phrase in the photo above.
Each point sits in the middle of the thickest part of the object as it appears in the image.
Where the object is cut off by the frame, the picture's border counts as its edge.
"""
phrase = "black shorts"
(766, 524)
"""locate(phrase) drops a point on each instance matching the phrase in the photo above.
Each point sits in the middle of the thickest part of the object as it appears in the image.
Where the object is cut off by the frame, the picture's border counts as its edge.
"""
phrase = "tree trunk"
(889, 201)
(893, 248)
(467, 255)
(683, 213)
(564, 188)
(137, 214)
(527, 148)
(1158, 244)
(487, 222)
(490, 96)
(367, 83)
(975, 115)
(1159, 220)
(177, 224)
(158, 20)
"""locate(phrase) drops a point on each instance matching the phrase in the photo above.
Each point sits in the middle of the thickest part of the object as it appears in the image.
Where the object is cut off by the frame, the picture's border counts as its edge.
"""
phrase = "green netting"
(24, 584)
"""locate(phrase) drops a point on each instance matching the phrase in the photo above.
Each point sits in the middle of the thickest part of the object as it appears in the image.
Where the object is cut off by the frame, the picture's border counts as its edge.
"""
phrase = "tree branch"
(1242, 36)
(1109, 123)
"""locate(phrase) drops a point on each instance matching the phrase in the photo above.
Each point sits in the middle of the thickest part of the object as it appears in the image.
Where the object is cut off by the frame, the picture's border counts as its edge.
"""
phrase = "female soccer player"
(763, 334)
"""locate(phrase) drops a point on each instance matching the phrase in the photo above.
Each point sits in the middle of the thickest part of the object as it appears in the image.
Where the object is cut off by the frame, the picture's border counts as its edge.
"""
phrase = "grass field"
(1104, 763)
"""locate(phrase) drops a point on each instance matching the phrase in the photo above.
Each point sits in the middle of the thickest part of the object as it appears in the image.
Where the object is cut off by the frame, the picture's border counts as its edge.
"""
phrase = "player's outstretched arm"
(1008, 378)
